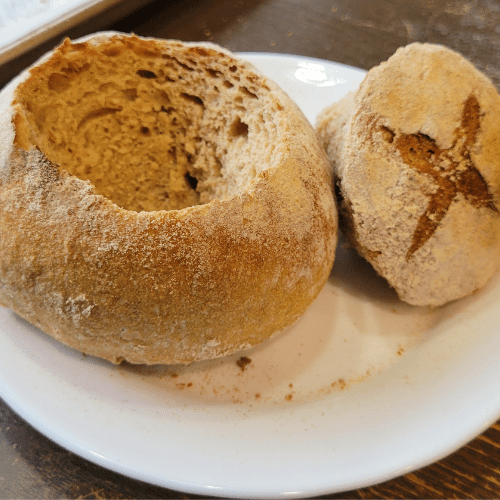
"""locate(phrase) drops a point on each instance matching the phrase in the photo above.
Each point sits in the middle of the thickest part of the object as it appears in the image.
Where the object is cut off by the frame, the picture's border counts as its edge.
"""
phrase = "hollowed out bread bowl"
(160, 202)
(416, 156)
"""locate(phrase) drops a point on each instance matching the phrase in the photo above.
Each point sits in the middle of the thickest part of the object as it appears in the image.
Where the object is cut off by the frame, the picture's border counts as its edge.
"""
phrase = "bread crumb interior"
(151, 129)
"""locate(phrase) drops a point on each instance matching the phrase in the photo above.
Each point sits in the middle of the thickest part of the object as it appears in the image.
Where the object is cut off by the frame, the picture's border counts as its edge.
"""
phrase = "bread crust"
(416, 155)
(165, 286)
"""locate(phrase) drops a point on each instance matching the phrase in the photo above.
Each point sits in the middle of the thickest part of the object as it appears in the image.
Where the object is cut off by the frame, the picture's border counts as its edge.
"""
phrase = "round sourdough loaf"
(416, 156)
(160, 202)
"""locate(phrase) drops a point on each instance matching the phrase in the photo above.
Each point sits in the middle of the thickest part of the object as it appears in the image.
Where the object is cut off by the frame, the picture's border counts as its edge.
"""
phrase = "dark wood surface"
(356, 32)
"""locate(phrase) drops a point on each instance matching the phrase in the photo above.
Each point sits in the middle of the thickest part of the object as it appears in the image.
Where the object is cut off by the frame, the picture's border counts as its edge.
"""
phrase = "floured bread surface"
(160, 202)
(416, 157)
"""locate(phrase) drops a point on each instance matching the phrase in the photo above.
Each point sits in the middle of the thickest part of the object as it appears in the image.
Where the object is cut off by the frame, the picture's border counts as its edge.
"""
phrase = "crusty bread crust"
(167, 285)
(416, 159)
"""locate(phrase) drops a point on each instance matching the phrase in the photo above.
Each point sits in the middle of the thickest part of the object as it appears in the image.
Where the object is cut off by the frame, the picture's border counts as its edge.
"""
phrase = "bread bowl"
(415, 152)
(160, 202)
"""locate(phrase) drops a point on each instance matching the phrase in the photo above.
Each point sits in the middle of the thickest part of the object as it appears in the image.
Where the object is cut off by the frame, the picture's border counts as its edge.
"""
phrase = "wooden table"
(356, 32)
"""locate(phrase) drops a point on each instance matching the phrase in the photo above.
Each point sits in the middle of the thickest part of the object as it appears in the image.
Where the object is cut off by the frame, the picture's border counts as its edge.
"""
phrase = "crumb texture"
(160, 202)
(415, 153)
(150, 130)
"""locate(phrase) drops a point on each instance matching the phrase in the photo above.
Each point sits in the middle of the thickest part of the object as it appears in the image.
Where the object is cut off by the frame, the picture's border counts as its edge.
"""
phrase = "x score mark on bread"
(451, 169)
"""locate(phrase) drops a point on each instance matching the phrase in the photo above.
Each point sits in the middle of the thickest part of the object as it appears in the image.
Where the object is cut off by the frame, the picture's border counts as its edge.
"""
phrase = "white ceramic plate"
(363, 388)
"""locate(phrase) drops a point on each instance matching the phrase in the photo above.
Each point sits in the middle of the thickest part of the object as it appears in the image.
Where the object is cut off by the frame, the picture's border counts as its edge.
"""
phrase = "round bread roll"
(160, 202)
(416, 156)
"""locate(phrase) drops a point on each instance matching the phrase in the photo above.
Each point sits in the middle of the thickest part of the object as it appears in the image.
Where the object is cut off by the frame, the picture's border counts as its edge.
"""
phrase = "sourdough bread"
(416, 157)
(160, 202)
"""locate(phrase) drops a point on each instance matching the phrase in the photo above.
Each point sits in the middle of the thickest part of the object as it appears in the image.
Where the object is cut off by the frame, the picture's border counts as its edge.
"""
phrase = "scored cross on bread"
(415, 152)
(452, 171)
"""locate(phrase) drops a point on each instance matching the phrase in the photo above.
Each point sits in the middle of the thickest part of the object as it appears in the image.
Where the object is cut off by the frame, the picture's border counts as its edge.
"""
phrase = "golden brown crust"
(416, 162)
(167, 286)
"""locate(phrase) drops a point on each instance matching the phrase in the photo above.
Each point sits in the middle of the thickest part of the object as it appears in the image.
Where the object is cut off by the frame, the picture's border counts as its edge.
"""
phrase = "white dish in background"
(24, 24)
(362, 389)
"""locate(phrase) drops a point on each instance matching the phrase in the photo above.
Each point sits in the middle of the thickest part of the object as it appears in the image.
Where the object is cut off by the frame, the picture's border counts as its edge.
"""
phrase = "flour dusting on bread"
(162, 202)
(416, 158)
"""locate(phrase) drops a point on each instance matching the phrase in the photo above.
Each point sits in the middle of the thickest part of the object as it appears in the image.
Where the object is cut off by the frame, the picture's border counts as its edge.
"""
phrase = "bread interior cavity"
(151, 128)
